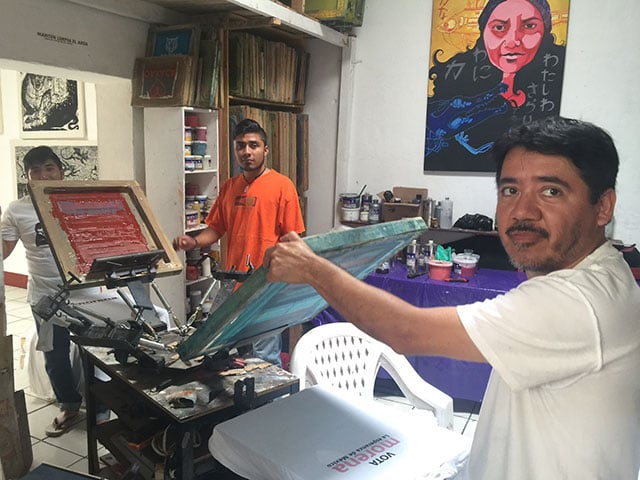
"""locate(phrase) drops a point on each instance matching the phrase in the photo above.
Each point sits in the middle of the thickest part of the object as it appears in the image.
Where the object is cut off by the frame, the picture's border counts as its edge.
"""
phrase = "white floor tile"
(42, 452)
(41, 419)
(34, 402)
(75, 440)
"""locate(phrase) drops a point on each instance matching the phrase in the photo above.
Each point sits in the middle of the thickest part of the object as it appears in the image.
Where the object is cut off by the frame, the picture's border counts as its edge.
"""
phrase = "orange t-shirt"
(254, 216)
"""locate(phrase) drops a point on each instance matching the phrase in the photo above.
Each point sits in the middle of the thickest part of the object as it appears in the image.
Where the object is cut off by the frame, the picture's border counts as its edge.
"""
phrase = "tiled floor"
(70, 450)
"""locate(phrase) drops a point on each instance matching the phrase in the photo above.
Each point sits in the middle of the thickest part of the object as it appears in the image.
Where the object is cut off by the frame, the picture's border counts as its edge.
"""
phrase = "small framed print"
(163, 81)
(173, 40)
(51, 107)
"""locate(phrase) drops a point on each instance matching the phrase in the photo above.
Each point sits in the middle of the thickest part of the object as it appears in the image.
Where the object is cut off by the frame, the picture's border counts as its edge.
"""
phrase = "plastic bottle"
(374, 211)
(412, 249)
(446, 214)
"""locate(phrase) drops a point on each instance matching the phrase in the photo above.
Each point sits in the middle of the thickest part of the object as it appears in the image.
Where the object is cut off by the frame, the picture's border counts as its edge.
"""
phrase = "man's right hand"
(184, 242)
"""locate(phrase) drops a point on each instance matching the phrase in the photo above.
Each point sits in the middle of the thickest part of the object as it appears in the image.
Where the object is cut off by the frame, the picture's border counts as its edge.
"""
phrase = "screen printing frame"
(259, 308)
(62, 247)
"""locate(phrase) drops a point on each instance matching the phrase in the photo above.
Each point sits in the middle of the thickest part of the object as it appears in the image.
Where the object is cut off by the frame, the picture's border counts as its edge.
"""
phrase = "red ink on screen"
(97, 226)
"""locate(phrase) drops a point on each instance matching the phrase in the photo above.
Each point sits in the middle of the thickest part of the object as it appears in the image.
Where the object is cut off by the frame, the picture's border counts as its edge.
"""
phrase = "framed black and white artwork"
(51, 107)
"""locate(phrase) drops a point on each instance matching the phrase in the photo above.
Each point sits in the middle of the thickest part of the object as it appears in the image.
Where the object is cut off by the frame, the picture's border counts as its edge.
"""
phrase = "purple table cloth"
(459, 379)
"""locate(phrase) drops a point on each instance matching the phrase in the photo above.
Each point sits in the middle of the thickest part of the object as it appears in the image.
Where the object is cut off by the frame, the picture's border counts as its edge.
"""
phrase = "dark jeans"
(64, 380)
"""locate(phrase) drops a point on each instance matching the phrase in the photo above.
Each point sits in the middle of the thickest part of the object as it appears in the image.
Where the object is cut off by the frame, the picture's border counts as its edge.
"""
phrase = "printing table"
(144, 409)
(459, 379)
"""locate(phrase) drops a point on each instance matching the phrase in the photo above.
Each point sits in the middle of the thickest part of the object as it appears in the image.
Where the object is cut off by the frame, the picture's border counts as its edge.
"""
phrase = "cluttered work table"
(181, 404)
(459, 379)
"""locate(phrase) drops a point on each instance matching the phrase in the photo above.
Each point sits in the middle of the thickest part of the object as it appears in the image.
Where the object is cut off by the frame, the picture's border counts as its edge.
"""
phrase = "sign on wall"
(494, 64)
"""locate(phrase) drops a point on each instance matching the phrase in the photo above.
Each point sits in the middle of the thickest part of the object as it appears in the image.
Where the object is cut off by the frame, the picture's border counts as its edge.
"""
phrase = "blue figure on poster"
(511, 76)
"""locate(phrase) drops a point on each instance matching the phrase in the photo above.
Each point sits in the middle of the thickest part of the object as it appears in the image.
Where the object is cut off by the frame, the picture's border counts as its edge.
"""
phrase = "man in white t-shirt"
(20, 222)
(563, 400)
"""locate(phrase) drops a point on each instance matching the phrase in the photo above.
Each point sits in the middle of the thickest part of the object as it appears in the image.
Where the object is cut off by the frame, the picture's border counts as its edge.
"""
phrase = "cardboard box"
(336, 12)
(407, 208)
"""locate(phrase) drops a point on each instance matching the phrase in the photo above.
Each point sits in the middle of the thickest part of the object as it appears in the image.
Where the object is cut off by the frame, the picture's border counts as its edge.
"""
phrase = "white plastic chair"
(339, 355)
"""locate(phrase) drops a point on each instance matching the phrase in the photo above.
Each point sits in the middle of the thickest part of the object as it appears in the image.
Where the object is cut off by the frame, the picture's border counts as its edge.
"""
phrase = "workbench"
(145, 402)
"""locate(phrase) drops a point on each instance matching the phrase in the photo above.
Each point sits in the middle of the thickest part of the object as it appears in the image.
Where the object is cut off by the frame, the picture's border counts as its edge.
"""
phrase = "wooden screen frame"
(61, 247)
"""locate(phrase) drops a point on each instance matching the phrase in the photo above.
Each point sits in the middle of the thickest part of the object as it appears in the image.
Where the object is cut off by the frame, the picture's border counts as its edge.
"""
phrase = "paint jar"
(200, 133)
(439, 269)
(191, 190)
(189, 162)
(197, 162)
(467, 263)
(350, 214)
(192, 273)
(191, 120)
(188, 134)
(198, 147)
(195, 297)
(191, 218)
(349, 200)
(350, 206)
(187, 149)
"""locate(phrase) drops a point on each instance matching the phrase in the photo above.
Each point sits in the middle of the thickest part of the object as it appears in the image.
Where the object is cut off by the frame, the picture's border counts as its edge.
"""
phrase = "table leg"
(90, 402)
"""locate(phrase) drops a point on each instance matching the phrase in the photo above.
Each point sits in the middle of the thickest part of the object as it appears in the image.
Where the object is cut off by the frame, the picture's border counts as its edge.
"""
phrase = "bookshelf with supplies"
(182, 179)
(250, 63)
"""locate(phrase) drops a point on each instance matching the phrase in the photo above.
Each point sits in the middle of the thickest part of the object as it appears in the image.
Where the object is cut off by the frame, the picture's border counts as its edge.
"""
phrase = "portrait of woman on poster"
(512, 75)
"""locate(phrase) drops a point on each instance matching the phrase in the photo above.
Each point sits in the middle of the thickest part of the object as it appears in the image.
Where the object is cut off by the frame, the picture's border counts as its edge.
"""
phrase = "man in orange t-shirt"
(253, 209)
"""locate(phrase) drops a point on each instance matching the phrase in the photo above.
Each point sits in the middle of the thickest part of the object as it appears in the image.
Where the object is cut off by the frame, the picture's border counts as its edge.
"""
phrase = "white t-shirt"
(19, 222)
(563, 400)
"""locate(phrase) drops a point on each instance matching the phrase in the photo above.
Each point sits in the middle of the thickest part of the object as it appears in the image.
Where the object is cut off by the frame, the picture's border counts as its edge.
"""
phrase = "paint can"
(200, 133)
(198, 147)
(188, 134)
(350, 206)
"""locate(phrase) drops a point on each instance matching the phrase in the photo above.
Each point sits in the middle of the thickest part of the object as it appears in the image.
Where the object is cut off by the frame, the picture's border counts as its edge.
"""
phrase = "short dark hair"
(249, 126)
(38, 156)
(587, 146)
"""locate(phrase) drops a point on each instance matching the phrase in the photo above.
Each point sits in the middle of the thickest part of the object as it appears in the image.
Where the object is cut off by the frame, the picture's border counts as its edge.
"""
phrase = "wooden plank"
(294, 20)
(15, 453)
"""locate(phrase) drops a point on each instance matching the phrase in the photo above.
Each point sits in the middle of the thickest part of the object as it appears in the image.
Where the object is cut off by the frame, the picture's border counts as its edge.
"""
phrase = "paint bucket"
(350, 200)
(200, 133)
(189, 163)
(191, 120)
(350, 214)
(467, 264)
(198, 148)
(191, 219)
(439, 269)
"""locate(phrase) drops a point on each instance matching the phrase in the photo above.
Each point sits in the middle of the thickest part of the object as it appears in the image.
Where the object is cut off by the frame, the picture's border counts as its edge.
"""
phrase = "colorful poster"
(494, 64)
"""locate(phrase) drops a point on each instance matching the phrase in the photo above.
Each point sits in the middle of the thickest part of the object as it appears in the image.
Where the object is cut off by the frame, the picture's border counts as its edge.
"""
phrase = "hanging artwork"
(51, 107)
(79, 162)
(494, 64)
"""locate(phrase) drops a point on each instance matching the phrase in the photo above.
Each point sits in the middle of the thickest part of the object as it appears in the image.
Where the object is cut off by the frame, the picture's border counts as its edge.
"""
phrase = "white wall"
(68, 40)
(390, 95)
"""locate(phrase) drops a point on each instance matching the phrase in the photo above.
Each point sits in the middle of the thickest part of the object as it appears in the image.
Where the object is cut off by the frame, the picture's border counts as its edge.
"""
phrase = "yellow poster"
(493, 64)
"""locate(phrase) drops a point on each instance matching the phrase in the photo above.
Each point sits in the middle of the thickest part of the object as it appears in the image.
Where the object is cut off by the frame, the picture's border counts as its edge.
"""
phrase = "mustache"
(527, 227)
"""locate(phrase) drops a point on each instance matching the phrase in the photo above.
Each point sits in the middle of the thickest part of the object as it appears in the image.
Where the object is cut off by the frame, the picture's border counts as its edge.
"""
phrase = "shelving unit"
(167, 180)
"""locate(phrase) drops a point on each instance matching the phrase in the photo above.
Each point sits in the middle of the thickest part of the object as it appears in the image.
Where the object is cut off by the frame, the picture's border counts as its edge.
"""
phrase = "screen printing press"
(170, 386)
